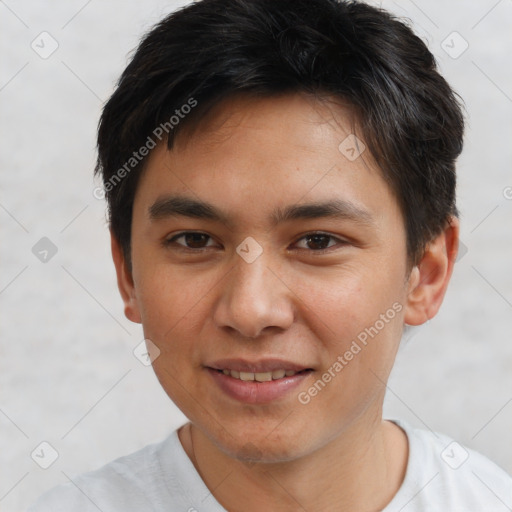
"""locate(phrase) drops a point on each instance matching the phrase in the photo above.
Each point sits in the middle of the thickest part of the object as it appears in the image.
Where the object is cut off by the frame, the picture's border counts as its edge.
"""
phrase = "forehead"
(254, 155)
(300, 119)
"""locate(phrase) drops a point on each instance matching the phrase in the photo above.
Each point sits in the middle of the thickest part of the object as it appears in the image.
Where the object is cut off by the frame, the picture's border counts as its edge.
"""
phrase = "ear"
(125, 282)
(429, 279)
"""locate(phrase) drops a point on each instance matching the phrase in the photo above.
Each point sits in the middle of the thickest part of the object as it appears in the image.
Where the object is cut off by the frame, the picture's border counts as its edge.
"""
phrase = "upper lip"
(259, 366)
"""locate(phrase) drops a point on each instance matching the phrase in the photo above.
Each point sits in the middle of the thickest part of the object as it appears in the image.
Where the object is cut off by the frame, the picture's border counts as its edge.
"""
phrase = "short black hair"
(409, 117)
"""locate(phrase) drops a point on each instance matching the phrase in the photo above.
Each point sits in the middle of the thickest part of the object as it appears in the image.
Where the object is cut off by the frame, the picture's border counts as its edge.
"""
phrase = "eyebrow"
(182, 206)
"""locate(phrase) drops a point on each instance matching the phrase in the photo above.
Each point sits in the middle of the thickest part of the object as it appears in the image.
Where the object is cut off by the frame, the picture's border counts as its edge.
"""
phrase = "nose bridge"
(253, 298)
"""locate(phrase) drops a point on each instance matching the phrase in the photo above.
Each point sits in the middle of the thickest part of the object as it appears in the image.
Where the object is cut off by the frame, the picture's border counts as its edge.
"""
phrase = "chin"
(250, 446)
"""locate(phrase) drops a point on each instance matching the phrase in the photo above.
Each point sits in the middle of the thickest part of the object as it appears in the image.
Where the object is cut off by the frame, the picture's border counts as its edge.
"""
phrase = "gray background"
(67, 372)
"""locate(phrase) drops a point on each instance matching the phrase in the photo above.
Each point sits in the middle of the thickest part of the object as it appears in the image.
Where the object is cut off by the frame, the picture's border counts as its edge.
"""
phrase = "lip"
(260, 366)
(253, 392)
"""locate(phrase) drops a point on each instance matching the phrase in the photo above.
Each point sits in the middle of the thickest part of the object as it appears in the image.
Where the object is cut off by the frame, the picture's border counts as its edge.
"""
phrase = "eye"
(319, 241)
(190, 240)
(193, 240)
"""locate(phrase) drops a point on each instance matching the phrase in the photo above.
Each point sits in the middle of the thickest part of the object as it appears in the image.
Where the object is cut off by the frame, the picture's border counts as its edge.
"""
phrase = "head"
(280, 178)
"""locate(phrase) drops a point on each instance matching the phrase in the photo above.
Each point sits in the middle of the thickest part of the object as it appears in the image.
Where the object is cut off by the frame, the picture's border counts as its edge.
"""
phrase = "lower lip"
(253, 392)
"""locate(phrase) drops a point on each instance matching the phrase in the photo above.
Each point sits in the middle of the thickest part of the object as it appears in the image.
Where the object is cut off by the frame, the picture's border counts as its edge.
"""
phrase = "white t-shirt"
(441, 476)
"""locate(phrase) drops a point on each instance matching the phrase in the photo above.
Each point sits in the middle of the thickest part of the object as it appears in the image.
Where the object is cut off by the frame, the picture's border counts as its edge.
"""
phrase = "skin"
(249, 157)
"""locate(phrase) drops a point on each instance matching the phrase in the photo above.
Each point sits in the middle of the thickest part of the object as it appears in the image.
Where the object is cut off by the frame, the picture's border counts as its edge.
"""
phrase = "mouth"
(257, 382)
(261, 376)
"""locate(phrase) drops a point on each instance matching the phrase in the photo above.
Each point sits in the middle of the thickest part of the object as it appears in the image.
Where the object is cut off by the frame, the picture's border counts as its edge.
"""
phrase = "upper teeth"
(259, 376)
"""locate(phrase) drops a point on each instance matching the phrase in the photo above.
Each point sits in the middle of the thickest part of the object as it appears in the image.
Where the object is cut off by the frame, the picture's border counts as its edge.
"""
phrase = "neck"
(360, 469)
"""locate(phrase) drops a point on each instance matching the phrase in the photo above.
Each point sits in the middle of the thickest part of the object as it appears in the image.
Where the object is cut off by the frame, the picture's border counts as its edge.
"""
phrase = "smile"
(260, 376)
(258, 387)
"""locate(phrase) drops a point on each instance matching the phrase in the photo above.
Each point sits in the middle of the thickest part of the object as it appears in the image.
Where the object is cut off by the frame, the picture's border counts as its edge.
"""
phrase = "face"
(259, 248)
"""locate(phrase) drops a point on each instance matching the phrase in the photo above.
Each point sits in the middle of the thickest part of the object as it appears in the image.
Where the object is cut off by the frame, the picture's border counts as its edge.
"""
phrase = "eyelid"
(341, 241)
(169, 239)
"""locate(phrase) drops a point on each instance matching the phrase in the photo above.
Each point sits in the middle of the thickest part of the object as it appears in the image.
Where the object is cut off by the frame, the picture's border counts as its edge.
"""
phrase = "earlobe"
(125, 282)
(429, 279)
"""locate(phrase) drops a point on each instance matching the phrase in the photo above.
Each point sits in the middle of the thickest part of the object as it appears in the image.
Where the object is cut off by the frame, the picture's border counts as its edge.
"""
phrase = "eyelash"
(170, 241)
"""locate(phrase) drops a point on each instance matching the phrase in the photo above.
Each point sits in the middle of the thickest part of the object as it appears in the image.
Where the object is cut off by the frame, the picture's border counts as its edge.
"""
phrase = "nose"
(254, 299)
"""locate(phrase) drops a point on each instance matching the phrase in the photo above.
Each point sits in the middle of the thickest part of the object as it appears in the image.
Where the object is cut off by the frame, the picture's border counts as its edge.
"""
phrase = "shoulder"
(132, 482)
(443, 474)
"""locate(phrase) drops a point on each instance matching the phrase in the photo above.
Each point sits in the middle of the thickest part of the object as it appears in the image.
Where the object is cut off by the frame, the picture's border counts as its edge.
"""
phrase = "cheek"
(175, 309)
(359, 334)
(172, 305)
(357, 321)
(339, 305)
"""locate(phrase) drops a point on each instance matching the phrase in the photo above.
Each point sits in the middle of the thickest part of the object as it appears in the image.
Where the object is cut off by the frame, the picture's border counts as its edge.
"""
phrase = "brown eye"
(317, 242)
(196, 240)
(190, 240)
